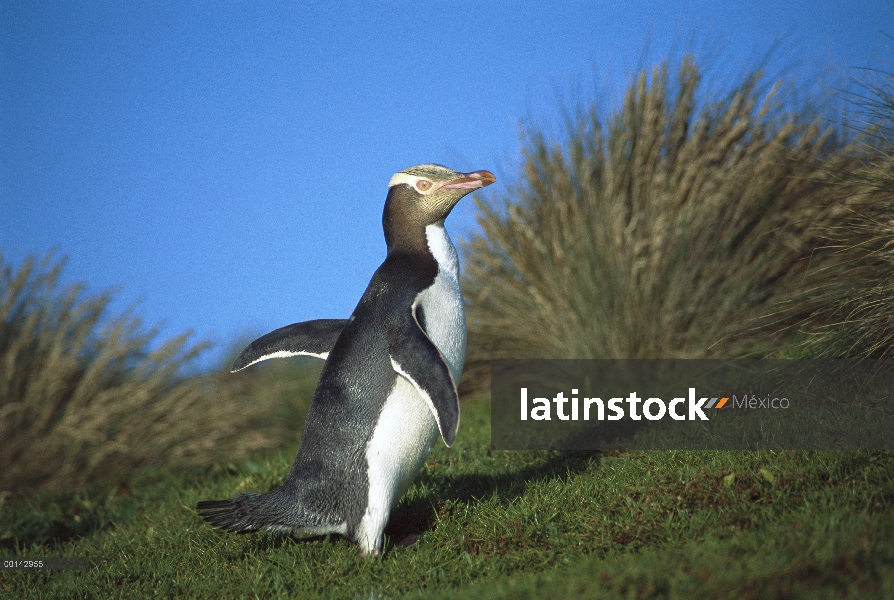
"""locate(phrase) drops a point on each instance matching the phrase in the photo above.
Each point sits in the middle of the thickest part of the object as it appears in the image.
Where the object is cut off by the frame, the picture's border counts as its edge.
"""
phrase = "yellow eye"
(423, 185)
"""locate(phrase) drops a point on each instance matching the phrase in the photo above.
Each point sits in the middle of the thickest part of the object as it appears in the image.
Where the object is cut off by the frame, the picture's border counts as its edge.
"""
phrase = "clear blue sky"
(226, 163)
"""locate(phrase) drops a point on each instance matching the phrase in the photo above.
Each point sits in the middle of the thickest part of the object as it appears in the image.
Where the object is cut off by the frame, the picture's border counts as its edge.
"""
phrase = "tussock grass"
(673, 230)
(84, 397)
(855, 317)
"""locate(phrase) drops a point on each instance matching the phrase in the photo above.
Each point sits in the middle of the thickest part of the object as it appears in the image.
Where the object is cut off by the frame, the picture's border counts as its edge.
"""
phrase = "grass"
(676, 228)
(855, 314)
(496, 525)
(86, 399)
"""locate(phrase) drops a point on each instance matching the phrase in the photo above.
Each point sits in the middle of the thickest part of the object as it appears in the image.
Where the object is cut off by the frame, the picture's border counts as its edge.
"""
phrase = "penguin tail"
(241, 514)
(272, 511)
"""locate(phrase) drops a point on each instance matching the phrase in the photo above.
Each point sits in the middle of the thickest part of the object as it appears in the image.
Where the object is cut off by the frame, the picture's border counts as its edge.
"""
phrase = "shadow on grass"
(413, 517)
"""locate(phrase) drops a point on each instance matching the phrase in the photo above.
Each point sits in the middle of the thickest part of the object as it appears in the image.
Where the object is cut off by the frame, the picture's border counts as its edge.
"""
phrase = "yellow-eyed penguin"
(388, 387)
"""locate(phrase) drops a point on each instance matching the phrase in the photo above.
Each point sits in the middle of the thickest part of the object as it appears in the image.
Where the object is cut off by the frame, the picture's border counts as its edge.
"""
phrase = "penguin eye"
(423, 185)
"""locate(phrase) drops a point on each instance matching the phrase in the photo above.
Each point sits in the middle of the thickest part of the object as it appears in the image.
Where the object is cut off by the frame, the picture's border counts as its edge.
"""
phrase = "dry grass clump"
(84, 398)
(673, 230)
(856, 317)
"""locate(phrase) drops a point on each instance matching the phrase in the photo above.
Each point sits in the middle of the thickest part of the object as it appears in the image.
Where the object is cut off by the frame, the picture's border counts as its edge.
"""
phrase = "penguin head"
(424, 195)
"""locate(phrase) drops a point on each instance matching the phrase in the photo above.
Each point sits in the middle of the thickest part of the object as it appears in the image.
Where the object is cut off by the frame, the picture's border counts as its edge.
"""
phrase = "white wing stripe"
(283, 354)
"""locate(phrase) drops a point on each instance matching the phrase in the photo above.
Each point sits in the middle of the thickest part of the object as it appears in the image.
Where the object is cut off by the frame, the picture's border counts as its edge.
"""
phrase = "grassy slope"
(497, 525)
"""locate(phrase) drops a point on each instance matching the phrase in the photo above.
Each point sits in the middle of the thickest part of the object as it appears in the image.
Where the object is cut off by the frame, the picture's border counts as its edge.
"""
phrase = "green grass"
(495, 525)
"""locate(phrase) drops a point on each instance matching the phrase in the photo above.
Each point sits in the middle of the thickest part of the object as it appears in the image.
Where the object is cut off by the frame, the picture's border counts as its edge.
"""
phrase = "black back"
(353, 387)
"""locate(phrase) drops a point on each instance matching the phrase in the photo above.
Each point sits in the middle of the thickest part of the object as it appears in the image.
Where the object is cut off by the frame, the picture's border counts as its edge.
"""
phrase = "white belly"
(403, 439)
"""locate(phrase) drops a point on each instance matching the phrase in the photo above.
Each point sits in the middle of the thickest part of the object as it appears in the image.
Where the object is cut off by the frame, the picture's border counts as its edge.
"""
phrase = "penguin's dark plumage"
(388, 387)
(310, 338)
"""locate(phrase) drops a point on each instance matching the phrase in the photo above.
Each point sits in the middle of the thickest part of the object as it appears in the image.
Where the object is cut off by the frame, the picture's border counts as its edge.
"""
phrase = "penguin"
(387, 390)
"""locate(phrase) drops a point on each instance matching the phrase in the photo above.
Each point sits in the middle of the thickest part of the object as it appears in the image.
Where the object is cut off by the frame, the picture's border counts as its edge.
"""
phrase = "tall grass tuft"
(84, 397)
(856, 317)
(672, 229)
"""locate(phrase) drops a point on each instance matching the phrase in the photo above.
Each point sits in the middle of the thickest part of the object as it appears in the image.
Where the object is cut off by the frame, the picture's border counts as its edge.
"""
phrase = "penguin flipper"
(416, 358)
(308, 338)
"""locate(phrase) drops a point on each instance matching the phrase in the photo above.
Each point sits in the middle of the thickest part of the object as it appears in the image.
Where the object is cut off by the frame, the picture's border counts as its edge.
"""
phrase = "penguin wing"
(308, 338)
(416, 358)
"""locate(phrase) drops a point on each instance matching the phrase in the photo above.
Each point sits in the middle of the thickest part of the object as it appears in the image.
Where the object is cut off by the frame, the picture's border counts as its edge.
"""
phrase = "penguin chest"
(442, 303)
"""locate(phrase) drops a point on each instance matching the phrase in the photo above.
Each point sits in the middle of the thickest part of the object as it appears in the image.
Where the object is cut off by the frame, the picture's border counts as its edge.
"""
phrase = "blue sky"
(226, 164)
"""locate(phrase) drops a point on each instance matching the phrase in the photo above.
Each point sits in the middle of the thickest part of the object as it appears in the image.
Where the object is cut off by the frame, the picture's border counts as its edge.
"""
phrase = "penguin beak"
(471, 181)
